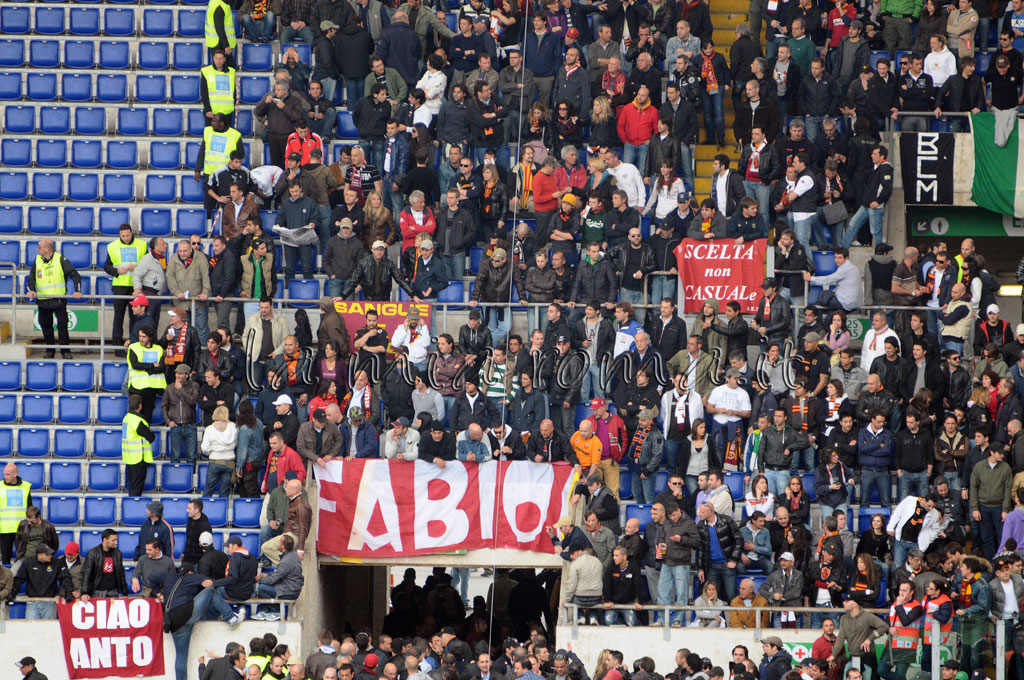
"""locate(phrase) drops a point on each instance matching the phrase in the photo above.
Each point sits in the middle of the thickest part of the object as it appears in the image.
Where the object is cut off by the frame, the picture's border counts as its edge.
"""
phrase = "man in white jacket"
(401, 441)
(874, 340)
(914, 523)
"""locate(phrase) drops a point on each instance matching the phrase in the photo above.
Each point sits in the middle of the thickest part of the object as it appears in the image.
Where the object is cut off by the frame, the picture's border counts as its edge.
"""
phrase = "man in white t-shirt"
(729, 403)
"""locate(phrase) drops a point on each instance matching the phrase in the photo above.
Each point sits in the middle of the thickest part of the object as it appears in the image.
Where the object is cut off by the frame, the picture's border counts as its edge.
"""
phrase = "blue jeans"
(374, 149)
(449, 404)
(625, 616)
(875, 216)
(675, 578)
(335, 286)
(812, 127)
(778, 480)
(723, 433)
(686, 153)
(323, 226)
(643, 489)
(182, 436)
(828, 510)
(266, 533)
(393, 200)
(261, 30)
(899, 552)
(724, 578)
(672, 447)
(663, 286)
(633, 297)
(329, 87)
(201, 319)
(879, 479)
(290, 35)
(592, 383)
(762, 194)
(714, 115)
(803, 229)
(635, 154)
(981, 37)
(219, 474)
(802, 458)
(303, 254)
(206, 601)
(455, 265)
(355, 89)
(40, 610)
(912, 484)
(460, 580)
(497, 321)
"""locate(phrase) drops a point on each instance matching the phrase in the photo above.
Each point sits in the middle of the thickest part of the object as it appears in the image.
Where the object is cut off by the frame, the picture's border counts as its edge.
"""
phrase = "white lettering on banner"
(926, 183)
(112, 637)
(487, 482)
(435, 509)
(519, 481)
(116, 614)
(142, 651)
(712, 251)
(720, 292)
(376, 488)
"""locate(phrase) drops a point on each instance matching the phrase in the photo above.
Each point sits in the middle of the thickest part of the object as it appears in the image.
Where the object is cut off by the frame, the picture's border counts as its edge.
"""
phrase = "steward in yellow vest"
(15, 497)
(217, 88)
(123, 255)
(47, 283)
(220, 29)
(146, 376)
(136, 445)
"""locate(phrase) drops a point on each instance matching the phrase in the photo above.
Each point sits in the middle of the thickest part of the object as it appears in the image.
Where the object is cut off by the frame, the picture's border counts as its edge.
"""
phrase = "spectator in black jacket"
(718, 565)
(913, 456)
(439, 447)
(756, 111)
(97, 580)
(667, 329)
(225, 273)
(213, 393)
(742, 53)
(917, 93)
(963, 92)
(873, 198)
(621, 587)
(818, 97)
(370, 116)
(198, 523)
(548, 445)
(683, 123)
(486, 129)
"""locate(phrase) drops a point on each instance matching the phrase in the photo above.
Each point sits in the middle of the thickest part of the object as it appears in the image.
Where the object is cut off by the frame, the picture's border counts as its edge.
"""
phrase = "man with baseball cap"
(374, 274)
(28, 669)
(610, 429)
(41, 579)
(342, 255)
(318, 440)
(70, 572)
(401, 441)
(139, 307)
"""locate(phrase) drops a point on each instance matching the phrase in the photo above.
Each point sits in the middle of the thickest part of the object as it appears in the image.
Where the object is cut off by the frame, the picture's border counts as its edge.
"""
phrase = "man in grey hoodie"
(284, 583)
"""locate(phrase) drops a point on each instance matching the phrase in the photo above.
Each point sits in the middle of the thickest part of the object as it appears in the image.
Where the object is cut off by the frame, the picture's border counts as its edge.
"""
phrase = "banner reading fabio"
(722, 270)
(390, 315)
(387, 508)
(112, 636)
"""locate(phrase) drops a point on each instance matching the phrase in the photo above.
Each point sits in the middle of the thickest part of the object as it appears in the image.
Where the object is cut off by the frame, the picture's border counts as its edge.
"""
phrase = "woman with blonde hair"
(219, 440)
(712, 616)
(378, 222)
(603, 126)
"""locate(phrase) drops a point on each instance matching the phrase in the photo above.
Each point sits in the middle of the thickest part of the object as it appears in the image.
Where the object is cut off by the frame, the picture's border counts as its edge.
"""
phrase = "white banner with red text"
(112, 637)
(387, 508)
(721, 269)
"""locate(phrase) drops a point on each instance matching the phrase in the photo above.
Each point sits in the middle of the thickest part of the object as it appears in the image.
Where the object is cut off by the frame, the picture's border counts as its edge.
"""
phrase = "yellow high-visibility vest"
(134, 447)
(220, 87)
(229, 24)
(121, 253)
(50, 281)
(218, 147)
(140, 380)
(13, 503)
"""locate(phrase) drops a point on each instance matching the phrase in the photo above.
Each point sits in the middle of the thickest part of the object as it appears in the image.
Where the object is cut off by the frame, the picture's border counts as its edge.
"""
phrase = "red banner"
(723, 270)
(112, 636)
(387, 508)
(390, 315)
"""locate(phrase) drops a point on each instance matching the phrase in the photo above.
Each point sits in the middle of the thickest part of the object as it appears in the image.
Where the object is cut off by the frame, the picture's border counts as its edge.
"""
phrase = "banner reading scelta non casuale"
(388, 508)
(926, 159)
(722, 270)
(112, 637)
(390, 315)
(998, 170)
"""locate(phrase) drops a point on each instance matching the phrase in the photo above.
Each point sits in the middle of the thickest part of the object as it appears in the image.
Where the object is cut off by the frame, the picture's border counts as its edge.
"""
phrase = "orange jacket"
(636, 125)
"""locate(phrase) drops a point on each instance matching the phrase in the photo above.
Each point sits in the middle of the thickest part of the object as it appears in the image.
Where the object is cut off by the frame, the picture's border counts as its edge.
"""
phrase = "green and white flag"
(998, 172)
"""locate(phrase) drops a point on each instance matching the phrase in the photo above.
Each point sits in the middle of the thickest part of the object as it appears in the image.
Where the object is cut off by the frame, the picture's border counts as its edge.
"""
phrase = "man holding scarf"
(714, 73)
(645, 454)
(180, 342)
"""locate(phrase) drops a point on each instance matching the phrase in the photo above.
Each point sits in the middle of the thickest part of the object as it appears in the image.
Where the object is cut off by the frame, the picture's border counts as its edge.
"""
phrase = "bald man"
(955, 319)
(472, 446)
(15, 495)
(47, 284)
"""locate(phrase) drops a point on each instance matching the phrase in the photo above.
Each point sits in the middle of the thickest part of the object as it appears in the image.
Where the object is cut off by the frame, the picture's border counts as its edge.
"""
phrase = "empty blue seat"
(157, 23)
(73, 409)
(19, 119)
(115, 54)
(84, 186)
(112, 375)
(110, 410)
(42, 87)
(32, 247)
(216, 510)
(176, 477)
(191, 154)
(75, 87)
(91, 120)
(346, 127)
(111, 219)
(16, 153)
(12, 53)
(191, 190)
(154, 55)
(89, 539)
(14, 186)
(190, 222)
(79, 253)
(122, 155)
(188, 56)
(69, 443)
(42, 221)
(106, 444)
(104, 476)
(15, 20)
(245, 512)
(185, 89)
(112, 88)
(86, 288)
(133, 122)
(243, 122)
(37, 408)
(165, 155)
(11, 219)
(252, 88)
(175, 511)
(156, 222)
(79, 221)
(49, 21)
(250, 541)
(119, 22)
(47, 186)
(84, 21)
(626, 484)
(161, 188)
(119, 188)
(66, 476)
(79, 54)
(86, 153)
(150, 89)
(197, 121)
(62, 510)
(8, 402)
(191, 23)
(52, 153)
(133, 510)
(168, 122)
(10, 376)
(984, 60)
(105, 289)
(44, 53)
(257, 56)
(33, 443)
(100, 511)
(41, 376)
(35, 473)
(127, 541)
(303, 293)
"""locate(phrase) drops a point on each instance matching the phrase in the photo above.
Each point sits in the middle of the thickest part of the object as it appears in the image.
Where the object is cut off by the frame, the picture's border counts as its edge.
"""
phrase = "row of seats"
(89, 154)
(75, 442)
(88, 187)
(116, 21)
(112, 88)
(107, 54)
(103, 477)
(131, 510)
(45, 220)
(71, 409)
(24, 119)
(71, 376)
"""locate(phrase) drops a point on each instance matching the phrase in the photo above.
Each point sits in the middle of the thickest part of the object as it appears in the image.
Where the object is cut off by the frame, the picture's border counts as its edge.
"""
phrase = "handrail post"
(574, 612)
(1000, 648)
(102, 324)
(936, 643)
(667, 623)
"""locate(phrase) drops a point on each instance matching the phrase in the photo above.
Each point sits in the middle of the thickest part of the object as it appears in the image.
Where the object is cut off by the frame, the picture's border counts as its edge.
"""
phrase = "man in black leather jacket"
(373, 276)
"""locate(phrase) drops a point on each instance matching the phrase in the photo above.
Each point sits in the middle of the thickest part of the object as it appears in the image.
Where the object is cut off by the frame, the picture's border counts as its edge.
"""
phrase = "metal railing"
(889, 121)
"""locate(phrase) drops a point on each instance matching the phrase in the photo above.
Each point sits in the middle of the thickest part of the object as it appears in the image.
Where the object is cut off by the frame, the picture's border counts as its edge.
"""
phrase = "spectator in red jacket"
(281, 459)
(638, 120)
(303, 141)
(416, 219)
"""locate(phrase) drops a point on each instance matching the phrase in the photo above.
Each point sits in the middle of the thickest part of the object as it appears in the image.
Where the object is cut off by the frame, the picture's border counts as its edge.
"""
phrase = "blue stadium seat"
(105, 289)
(86, 153)
(10, 251)
(252, 88)
(33, 443)
(66, 476)
(47, 186)
(303, 293)
(119, 22)
(257, 56)
(984, 60)
(104, 476)
(250, 541)
(79, 253)
(16, 153)
(84, 21)
(11, 219)
(245, 512)
(157, 23)
(127, 541)
(154, 55)
(191, 23)
(73, 409)
(79, 54)
(41, 87)
(64, 536)
(107, 443)
(639, 511)
(346, 127)
(165, 155)
(32, 247)
(6, 291)
(188, 56)
(10, 376)
(79, 221)
(216, 510)
(122, 155)
(51, 153)
(86, 288)
(49, 21)
(176, 477)
(867, 512)
(161, 188)
(158, 419)
(476, 254)
(111, 219)
(44, 53)
(19, 119)
(243, 122)
(41, 376)
(133, 510)
(69, 443)
(89, 539)
(132, 122)
(14, 186)
(112, 88)
(75, 87)
(167, 122)
(8, 408)
(156, 222)
(10, 86)
(734, 480)
(119, 188)
(197, 121)
(201, 470)
(454, 293)
(84, 186)
(626, 484)
(190, 222)
(112, 375)
(305, 51)
(808, 479)
(191, 190)
(42, 221)
(100, 511)
(62, 510)
(185, 89)
(179, 544)
(34, 472)
(91, 120)
(15, 20)
(150, 89)
(175, 511)
(12, 52)
(115, 54)
(191, 154)
(110, 410)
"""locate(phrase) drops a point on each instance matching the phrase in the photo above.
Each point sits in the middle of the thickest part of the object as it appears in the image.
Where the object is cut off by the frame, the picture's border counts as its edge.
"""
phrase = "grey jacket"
(508, 83)
(287, 579)
(193, 279)
(792, 589)
(999, 596)
(179, 404)
(145, 568)
(305, 441)
(426, 19)
(149, 273)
